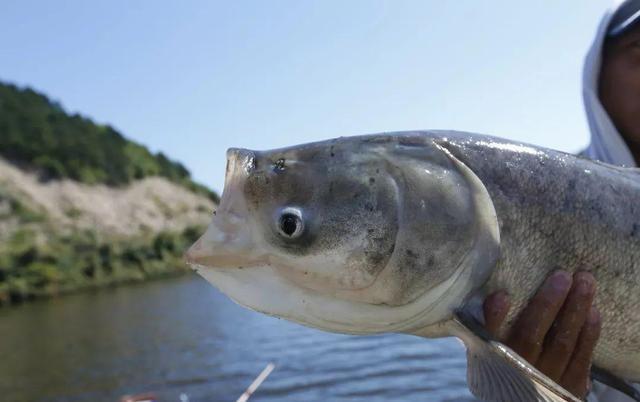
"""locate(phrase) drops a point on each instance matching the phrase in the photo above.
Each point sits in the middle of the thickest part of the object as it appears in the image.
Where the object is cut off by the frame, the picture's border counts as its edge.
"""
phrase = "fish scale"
(405, 232)
(553, 215)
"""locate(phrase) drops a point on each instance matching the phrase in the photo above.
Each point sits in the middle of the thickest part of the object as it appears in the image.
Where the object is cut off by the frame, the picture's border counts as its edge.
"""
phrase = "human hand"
(557, 331)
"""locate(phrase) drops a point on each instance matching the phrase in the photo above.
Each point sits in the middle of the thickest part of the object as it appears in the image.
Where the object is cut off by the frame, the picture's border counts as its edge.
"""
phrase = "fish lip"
(226, 243)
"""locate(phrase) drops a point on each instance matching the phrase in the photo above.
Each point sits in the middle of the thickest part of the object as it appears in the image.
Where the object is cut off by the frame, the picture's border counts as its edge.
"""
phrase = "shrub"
(31, 268)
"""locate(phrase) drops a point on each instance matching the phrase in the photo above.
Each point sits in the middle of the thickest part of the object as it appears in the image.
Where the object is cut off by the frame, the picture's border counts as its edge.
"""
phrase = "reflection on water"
(182, 336)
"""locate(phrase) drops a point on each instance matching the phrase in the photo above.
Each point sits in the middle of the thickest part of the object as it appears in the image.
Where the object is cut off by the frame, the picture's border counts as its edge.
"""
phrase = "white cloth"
(602, 393)
(606, 145)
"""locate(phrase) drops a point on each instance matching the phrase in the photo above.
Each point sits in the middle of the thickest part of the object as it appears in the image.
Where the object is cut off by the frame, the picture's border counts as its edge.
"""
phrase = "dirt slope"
(152, 204)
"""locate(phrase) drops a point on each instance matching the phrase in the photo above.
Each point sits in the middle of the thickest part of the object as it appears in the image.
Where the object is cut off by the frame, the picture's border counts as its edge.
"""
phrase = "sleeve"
(602, 393)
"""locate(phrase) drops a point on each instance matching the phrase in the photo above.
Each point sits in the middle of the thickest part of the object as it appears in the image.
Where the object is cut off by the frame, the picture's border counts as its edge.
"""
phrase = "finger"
(527, 334)
(576, 377)
(495, 309)
(561, 339)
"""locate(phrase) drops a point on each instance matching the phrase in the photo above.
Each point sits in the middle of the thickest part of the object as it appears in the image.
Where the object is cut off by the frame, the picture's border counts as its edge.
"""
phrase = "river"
(183, 340)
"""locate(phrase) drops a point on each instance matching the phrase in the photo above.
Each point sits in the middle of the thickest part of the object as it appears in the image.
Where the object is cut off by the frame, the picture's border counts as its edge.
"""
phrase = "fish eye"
(290, 223)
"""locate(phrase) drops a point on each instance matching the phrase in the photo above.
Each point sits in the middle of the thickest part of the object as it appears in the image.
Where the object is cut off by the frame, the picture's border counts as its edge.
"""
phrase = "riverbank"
(38, 263)
(83, 207)
(58, 237)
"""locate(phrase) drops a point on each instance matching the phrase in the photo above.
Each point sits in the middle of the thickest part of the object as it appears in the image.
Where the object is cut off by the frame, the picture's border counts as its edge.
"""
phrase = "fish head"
(316, 234)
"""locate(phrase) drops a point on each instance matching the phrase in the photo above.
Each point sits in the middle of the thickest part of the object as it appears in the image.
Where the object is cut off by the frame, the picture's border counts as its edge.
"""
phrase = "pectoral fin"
(496, 373)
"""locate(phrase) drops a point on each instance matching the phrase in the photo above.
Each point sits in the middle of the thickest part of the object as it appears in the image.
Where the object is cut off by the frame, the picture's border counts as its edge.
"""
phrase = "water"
(181, 336)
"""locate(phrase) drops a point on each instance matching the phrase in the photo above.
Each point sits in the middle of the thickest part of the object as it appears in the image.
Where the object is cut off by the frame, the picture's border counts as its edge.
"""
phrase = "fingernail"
(585, 283)
(560, 281)
(584, 287)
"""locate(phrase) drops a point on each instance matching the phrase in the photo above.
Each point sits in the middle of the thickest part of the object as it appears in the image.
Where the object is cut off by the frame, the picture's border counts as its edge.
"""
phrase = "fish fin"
(495, 373)
(614, 382)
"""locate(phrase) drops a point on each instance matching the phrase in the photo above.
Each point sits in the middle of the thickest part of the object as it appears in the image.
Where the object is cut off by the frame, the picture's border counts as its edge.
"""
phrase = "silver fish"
(406, 232)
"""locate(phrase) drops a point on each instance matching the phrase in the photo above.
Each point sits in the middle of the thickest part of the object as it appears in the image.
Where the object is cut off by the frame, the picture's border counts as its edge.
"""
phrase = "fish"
(407, 232)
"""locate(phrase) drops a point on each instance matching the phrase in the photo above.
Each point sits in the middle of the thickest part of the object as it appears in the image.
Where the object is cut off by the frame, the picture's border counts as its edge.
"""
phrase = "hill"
(38, 134)
(81, 206)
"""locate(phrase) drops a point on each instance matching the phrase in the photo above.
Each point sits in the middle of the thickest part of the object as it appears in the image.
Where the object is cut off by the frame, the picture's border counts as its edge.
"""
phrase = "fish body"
(558, 211)
(398, 232)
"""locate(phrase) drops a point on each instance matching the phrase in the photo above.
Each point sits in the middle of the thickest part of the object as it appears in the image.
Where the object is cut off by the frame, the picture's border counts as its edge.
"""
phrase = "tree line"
(37, 133)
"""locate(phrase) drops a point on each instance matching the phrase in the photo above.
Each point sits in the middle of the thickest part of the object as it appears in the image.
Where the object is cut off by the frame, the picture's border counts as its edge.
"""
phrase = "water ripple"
(182, 336)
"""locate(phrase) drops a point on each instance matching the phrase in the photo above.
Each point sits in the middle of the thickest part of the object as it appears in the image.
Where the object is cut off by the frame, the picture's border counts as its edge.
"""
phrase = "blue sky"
(193, 78)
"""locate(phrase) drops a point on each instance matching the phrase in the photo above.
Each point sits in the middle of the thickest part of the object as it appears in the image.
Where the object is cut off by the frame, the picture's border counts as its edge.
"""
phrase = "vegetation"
(38, 133)
(35, 263)
(40, 258)
(10, 206)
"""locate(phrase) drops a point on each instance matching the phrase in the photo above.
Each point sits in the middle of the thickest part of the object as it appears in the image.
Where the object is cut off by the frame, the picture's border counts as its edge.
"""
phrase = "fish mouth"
(224, 256)
(230, 241)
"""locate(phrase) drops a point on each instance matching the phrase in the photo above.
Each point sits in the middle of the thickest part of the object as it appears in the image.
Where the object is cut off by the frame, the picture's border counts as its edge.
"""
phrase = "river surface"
(184, 341)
